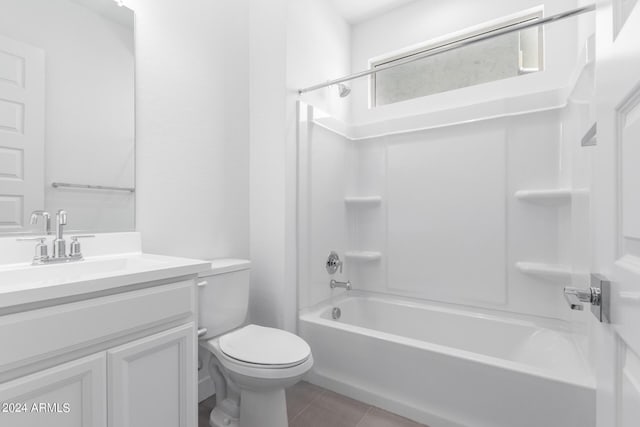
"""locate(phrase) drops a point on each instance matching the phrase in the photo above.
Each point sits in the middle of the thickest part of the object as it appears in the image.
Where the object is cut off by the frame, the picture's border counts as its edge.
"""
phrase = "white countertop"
(112, 260)
(25, 283)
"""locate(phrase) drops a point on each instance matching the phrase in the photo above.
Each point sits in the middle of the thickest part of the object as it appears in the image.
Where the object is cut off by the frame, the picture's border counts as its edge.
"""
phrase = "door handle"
(598, 295)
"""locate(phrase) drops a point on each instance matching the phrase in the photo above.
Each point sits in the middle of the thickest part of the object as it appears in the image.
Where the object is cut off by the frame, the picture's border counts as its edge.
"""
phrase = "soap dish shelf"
(549, 196)
(555, 272)
(363, 200)
(363, 255)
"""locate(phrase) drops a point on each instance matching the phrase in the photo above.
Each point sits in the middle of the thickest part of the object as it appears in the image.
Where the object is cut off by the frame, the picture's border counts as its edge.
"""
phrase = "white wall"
(192, 94)
(192, 109)
(268, 160)
(89, 107)
(294, 43)
(318, 49)
(214, 80)
(423, 20)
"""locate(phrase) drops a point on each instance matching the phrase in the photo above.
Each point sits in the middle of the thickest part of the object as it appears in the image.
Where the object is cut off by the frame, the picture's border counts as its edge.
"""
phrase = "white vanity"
(108, 341)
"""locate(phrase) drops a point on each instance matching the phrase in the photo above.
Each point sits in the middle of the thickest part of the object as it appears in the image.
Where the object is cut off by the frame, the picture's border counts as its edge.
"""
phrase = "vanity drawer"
(38, 334)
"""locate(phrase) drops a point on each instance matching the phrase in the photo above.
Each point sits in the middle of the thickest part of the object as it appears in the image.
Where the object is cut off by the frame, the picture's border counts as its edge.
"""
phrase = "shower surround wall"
(471, 200)
(439, 219)
(482, 212)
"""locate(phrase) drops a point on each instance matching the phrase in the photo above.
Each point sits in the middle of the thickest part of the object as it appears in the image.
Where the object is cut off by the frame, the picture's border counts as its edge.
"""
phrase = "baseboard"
(206, 388)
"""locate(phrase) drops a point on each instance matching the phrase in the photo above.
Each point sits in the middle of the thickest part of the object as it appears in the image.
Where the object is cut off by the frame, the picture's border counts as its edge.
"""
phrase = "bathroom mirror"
(67, 124)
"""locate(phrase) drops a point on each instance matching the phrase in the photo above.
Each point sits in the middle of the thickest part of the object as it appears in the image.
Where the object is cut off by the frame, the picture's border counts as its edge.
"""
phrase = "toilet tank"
(223, 297)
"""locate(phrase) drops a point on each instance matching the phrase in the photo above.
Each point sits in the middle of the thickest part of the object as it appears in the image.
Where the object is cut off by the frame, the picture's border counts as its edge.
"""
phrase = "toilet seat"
(264, 347)
(252, 369)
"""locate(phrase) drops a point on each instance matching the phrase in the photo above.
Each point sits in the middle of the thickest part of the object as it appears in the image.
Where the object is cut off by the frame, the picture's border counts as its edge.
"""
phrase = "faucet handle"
(42, 252)
(333, 263)
(74, 248)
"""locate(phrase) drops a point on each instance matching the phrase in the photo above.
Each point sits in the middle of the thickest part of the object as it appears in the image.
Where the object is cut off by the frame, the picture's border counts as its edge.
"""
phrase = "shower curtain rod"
(454, 45)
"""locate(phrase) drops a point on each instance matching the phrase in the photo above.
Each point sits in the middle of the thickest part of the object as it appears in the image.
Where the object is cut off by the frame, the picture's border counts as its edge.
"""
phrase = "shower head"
(343, 90)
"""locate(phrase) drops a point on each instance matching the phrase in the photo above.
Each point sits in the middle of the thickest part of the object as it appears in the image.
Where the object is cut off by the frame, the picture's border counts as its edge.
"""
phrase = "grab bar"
(92, 187)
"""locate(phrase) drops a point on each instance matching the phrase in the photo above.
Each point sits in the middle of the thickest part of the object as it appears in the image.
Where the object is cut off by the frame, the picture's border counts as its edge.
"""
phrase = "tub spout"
(345, 285)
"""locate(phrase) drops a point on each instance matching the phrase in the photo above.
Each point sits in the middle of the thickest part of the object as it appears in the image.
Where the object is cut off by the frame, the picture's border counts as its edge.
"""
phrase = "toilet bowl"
(260, 362)
(250, 365)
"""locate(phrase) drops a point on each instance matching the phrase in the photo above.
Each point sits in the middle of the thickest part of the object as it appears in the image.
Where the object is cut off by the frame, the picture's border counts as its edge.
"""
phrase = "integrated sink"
(38, 275)
(117, 266)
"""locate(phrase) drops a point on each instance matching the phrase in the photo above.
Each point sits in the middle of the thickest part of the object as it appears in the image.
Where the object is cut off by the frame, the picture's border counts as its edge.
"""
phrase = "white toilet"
(250, 365)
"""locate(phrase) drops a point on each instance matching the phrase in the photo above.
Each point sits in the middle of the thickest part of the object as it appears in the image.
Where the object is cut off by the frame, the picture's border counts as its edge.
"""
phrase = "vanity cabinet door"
(153, 381)
(73, 394)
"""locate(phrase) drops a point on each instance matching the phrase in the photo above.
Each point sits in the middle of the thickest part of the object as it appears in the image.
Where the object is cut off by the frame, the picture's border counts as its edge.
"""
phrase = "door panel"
(21, 133)
(69, 395)
(617, 209)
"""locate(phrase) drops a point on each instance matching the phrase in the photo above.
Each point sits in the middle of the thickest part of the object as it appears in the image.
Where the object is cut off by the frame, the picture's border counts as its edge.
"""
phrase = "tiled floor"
(312, 406)
(204, 409)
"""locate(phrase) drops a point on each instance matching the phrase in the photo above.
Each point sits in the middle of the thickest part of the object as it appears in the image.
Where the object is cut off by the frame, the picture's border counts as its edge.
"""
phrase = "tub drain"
(336, 313)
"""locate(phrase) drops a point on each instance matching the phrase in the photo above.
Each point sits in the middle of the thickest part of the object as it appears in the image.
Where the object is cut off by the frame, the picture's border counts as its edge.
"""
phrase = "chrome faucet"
(46, 220)
(59, 245)
(333, 264)
(335, 284)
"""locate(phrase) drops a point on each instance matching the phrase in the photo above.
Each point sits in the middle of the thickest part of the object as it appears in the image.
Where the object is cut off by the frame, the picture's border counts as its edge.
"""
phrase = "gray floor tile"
(312, 406)
(209, 403)
(203, 416)
(203, 420)
(331, 409)
(300, 396)
(376, 417)
(204, 409)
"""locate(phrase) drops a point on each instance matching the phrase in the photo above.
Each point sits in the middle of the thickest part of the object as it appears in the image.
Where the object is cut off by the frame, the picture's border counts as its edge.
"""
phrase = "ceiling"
(355, 11)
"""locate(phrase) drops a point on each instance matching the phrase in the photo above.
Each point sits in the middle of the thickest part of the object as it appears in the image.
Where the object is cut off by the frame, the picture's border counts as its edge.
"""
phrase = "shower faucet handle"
(333, 263)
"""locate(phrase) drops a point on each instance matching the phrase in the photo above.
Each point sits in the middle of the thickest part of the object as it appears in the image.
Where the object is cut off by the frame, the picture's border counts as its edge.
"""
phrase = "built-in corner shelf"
(549, 196)
(363, 255)
(363, 200)
(554, 272)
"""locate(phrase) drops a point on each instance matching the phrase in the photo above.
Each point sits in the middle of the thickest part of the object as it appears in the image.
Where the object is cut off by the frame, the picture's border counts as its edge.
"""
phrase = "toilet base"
(265, 408)
(257, 409)
(219, 419)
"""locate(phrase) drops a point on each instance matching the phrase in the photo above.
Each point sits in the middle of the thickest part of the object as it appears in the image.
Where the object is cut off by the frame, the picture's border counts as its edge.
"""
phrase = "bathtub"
(446, 366)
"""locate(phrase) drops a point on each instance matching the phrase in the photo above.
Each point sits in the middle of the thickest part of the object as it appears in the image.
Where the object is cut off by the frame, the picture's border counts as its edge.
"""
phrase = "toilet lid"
(264, 346)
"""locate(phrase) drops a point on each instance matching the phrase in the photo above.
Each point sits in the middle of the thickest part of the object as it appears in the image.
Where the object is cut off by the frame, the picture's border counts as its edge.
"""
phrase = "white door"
(153, 381)
(70, 395)
(617, 209)
(21, 133)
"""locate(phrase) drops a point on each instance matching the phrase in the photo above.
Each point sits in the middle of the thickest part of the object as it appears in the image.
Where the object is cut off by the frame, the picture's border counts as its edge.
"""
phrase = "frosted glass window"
(509, 55)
